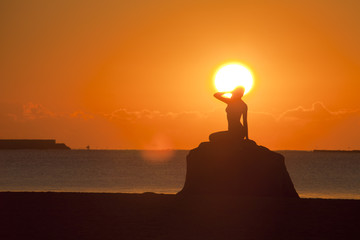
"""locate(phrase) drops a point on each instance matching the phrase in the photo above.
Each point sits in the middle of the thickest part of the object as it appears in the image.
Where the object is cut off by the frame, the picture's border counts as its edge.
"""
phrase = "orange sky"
(138, 74)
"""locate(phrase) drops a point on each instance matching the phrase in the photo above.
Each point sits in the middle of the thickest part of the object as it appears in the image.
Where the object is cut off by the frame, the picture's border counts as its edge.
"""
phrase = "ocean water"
(314, 174)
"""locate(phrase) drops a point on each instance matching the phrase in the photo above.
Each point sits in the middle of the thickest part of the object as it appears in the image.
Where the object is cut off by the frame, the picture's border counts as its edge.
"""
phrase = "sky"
(139, 74)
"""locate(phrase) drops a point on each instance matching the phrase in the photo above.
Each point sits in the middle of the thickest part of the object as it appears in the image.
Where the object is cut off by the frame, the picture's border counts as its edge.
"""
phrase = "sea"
(314, 174)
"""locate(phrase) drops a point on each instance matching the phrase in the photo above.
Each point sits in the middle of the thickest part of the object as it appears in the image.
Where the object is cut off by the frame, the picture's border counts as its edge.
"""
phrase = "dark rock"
(232, 166)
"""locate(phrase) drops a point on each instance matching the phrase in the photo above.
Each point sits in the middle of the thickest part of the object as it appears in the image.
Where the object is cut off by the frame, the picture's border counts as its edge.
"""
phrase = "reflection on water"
(324, 174)
(315, 175)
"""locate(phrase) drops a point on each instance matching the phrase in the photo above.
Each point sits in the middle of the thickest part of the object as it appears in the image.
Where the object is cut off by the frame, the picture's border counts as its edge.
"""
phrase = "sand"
(157, 216)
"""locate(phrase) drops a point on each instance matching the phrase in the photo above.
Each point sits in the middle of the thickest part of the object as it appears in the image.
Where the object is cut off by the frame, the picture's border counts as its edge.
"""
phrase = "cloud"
(124, 114)
(82, 115)
(318, 112)
(317, 127)
(35, 111)
(297, 128)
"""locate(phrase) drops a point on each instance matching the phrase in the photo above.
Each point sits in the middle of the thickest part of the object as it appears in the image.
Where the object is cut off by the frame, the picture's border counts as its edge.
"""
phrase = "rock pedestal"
(233, 166)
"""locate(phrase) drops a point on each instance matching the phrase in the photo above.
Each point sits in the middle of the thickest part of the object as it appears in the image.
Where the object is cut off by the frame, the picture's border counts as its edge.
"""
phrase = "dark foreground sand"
(155, 216)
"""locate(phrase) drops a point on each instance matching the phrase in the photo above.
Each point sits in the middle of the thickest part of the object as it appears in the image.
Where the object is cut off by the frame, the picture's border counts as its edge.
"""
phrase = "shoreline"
(71, 215)
(142, 193)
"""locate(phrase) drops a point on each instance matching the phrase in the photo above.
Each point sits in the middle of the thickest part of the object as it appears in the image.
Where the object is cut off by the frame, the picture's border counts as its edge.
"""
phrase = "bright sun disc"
(232, 75)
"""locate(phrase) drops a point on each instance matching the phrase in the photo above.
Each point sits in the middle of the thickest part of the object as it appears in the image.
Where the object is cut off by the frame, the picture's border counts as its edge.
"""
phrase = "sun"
(232, 75)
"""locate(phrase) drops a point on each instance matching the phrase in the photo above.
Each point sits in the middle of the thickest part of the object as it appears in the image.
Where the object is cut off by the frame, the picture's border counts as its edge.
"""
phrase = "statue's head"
(238, 92)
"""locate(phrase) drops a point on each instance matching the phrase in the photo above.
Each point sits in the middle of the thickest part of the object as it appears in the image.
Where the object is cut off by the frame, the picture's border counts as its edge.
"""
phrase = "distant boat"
(338, 151)
(40, 144)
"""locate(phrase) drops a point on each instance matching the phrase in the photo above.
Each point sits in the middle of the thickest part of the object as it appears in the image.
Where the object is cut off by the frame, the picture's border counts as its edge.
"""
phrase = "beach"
(50, 215)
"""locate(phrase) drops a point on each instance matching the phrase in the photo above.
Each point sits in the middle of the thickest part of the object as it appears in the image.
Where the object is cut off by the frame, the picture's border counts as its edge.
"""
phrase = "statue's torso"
(234, 112)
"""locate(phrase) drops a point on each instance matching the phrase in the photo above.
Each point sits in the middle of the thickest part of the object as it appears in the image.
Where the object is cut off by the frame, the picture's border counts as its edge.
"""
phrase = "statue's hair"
(239, 90)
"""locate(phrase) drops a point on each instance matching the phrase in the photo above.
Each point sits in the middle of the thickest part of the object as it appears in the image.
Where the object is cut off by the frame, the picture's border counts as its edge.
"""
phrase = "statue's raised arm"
(219, 95)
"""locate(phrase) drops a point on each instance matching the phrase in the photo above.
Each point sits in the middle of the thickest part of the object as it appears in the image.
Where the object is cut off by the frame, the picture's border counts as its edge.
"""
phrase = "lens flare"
(158, 150)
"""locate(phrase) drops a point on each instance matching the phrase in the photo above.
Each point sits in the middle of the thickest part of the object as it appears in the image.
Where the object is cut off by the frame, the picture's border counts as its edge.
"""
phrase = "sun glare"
(232, 75)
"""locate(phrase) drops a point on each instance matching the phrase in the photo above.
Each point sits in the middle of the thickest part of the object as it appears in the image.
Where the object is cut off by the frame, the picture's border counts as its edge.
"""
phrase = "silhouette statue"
(230, 165)
(236, 108)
